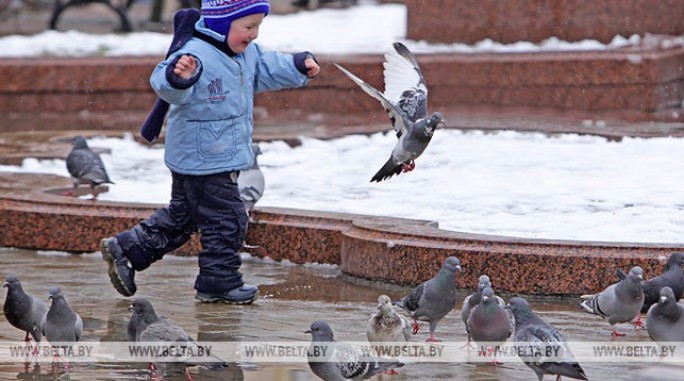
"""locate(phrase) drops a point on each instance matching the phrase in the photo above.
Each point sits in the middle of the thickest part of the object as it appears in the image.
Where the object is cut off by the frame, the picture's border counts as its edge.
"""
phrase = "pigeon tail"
(572, 370)
(590, 304)
(387, 171)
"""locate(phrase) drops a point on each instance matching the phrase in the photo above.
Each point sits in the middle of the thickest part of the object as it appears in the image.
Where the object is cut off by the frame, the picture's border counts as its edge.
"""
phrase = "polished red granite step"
(34, 215)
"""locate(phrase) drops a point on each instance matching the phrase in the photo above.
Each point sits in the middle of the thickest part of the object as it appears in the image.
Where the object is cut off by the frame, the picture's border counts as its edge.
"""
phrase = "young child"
(208, 80)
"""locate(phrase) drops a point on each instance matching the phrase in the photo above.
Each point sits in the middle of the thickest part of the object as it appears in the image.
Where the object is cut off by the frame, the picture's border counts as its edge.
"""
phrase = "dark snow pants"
(209, 204)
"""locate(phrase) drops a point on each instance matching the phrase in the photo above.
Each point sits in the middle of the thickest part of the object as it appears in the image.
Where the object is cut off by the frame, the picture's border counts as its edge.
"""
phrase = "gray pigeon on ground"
(489, 323)
(61, 325)
(406, 102)
(149, 327)
(386, 325)
(86, 167)
(533, 332)
(620, 302)
(672, 276)
(433, 299)
(251, 182)
(474, 299)
(338, 361)
(22, 310)
(665, 319)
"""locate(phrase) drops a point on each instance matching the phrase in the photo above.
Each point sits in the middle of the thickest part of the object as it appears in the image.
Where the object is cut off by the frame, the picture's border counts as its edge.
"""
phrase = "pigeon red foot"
(409, 166)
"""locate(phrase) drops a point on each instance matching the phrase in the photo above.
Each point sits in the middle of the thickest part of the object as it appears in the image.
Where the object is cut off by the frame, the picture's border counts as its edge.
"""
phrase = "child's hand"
(185, 66)
(313, 67)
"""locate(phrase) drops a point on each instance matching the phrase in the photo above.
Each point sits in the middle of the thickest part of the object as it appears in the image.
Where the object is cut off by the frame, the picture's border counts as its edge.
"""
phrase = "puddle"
(292, 297)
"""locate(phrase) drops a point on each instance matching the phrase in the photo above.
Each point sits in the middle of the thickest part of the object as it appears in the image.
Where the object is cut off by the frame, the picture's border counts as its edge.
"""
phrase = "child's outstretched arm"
(276, 70)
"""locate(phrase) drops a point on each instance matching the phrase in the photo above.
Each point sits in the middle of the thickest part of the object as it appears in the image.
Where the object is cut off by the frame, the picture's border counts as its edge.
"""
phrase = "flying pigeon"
(22, 310)
(405, 101)
(61, 324)
(665, 319)
(473, 300)
(489, 323)
(386, 326)
(337, 361)
(672, 276)
(251, 182)
(86, 167)
(618, 303)
(533, 332)
(433, 299)
(149, 327)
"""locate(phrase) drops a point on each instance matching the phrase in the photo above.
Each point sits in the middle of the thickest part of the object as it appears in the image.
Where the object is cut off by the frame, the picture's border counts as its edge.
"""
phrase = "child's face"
(243, 31)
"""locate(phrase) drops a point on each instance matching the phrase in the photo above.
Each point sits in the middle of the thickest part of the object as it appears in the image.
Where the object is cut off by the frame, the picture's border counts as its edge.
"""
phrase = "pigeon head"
(11, 281)
(384, 304)
(487, 294)
(484, 282)
(79, 142)
(666, 294)
(636, 273)
(520, 307)
(452, 264)
(435, 119)
(321, 331)
(144, 309)
(676, 259)
(55, 292)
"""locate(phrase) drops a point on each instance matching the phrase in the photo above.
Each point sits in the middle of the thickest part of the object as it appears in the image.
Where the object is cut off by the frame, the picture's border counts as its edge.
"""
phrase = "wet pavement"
(291, 297)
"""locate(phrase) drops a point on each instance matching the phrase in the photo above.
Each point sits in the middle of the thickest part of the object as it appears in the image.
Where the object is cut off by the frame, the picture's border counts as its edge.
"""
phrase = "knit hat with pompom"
(219, 14)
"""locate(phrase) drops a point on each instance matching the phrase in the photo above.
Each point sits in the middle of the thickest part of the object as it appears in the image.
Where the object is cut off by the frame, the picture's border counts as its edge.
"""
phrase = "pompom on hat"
(219, 14)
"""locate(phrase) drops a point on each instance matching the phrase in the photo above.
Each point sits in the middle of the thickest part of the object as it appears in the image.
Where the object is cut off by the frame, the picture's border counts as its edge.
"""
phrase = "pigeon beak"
(640, 276)
(130, 309)
(485, 298)
(6, 284)
(458, 268)
(307, 331)
(663, 299)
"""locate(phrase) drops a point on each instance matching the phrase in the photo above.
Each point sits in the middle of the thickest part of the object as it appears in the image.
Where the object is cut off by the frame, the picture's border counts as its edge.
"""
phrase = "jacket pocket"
(217, 140)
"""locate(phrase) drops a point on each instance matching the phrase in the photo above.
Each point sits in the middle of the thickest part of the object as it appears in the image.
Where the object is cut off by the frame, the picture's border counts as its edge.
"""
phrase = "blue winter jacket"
(209, 128)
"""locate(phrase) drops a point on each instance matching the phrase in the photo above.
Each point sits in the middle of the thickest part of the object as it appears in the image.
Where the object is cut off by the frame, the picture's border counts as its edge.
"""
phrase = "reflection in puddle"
(292, 297)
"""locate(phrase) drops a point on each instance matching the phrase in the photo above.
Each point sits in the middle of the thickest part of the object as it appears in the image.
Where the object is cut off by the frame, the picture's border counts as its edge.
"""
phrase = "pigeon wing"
(397, 117)
(164, 330)
(546, 335)
(79, 163)
(349, 361)
(87, 165)
(411, 302)
(404, 82)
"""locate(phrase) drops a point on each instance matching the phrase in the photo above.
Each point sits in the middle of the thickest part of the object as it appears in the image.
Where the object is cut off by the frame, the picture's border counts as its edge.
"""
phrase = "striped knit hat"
(219, 14)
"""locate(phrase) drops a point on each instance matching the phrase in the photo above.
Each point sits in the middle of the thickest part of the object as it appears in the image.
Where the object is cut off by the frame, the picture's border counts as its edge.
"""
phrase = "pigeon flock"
(492, 322)
(489, 322)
